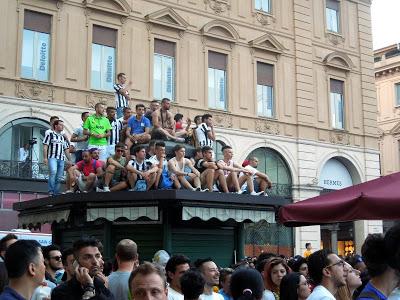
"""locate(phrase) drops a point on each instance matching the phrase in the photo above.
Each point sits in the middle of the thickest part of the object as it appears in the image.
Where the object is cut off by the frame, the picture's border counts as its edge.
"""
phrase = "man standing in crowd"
(98, 127)
(79, 138)
(164, 124)
(192, 285)
(126, 256)
(154, 105)
(88, 282)
(210, 173)
(68, 263)
(210, 272)
(55, 149)
(26, 269)
(121, 94)
(225, 282)
(328, 272)
(138, 130)
(116, 173)
(260, 180)
(308, 250)
(205, 132)
(127, 111)
(142, 173)
(85, 173)
(116, 127)
(147, 282)
(53, 262)
(5, 242)
(176, 266)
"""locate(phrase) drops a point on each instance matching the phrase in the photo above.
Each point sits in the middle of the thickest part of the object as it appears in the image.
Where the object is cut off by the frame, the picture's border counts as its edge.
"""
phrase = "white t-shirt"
(252, 170)
(174, 295)
(202, 135)
(268, 295)
(23, 154)
(320, 293)
(154, 160)
(213, 296)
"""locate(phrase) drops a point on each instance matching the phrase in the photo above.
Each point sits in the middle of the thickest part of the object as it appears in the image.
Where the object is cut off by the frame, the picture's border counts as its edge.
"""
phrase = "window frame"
(397, 94)
(269, 12)
(226, 79)
(338, 17)
(174, 69)
(273, 109)
(332, 108)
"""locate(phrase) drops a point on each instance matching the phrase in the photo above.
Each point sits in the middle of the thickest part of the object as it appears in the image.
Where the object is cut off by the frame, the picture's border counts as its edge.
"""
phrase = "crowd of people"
(125, 151)
(31, 272)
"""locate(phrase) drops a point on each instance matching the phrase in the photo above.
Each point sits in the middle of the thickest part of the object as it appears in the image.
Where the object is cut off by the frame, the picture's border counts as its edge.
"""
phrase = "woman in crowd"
(273, 274)
(353, 281)
(294, 286)
(246, 284)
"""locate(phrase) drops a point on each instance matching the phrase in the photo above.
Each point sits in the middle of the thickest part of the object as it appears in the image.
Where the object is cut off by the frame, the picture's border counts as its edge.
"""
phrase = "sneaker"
(106, 189)
(256, 194)
(204, 190)
(198, 189)
(265, 194)
(179, 140)
(69, 191)
(215, 188)
(99, 190)
(131, 190)
(239, 192)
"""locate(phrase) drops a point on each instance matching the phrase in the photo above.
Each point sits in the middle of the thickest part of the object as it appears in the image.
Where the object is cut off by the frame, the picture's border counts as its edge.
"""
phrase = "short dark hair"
(160, 144)
(98, 104)
(198, 117)
(192, 284)
(19, 255)
(53, 118)
(165, 100)
(308, 244)
(86, 242)
(67, 252)
(154, 101)
(5, 239)
(296, 262)
(199, 262)
(244, 279)
(110, 108)
(120, 145)
(206, 148)
(289, 285)
(178, 147)
(317, 261)
(126, 250)
(84, 113)
(175, 261)
(56, 122)
(205, 117)
(47, 249)
(178, 117)
(120, 75)
(125, 109)
(138, 148)
(392, 246)
(144, 270)
(223, 273)
(140, 105)
(372, 252)
(225, 147)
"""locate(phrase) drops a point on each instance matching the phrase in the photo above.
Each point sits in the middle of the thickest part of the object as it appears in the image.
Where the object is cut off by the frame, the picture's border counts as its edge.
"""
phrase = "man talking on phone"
(89, 282)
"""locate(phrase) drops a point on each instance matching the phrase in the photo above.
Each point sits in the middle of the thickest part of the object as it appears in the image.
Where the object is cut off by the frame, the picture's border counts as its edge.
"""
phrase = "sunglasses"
(57, 258)
(119, 150)
(339, 263)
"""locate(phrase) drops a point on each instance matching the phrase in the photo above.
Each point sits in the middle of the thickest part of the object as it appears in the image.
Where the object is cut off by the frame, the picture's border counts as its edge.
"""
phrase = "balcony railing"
(284, 190)
(23, 170)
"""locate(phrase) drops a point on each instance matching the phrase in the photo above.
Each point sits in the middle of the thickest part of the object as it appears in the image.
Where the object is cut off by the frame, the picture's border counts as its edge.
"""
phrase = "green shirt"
(97, 125)
(117, 172)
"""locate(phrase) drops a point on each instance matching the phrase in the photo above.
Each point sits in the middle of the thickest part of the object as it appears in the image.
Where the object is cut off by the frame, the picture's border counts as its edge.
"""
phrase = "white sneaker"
(215, 188)
(239, 192)
(204, 190)
(99, 190)
(265, 194)
(106, 189)
(131, 190)
(198, 189)
(256, 194)
(68, 191)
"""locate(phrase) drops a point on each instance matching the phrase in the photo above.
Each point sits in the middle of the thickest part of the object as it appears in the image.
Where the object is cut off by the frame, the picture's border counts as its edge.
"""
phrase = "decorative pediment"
(338, 60)
(267, 43)
(167, 17)
(220, 30)
(119, 7)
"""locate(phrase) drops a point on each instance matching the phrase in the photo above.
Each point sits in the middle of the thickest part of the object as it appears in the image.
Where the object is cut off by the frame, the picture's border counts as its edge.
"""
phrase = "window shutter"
(265, 74)
(164, 47)
(332, 4)
(336, 86)
(36, 21)
(104, 36)
(216, 60)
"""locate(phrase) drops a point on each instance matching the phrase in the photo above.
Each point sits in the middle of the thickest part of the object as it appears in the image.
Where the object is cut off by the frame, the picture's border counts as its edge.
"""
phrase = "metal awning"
(44, 217)
(223, 214)
(130, 213)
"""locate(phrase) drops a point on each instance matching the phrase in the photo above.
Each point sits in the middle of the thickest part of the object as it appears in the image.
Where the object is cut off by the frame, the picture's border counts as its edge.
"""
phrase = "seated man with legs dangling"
(141, 172)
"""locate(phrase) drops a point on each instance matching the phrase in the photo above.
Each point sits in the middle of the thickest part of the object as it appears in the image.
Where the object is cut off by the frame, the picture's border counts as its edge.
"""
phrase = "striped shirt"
(120, 100)
(116, 126)
(144, 166)
(202, 135)
(57, 144)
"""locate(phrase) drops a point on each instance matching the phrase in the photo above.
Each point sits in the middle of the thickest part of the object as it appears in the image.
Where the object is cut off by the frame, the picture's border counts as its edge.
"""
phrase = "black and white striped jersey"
(120, 100)
(116, 126)
(57, 144)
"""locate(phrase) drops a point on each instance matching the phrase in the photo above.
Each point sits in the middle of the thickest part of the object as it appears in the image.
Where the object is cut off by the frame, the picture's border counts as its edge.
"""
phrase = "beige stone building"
(387, 79)
(290, 81)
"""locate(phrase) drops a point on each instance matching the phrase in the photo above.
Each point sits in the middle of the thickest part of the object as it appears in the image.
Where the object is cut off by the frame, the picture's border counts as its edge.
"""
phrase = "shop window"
(263, 5)
(332, 15)
(217, 80)
(103, 58)
(35, 60)
(265, 89)
(337, 103)
(164, 70)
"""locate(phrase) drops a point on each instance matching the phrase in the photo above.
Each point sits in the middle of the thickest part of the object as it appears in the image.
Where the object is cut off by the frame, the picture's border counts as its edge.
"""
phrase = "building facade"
(288, 81)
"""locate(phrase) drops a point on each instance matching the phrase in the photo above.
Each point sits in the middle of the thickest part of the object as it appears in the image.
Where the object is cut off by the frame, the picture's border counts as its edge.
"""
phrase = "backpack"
(166, 182)
(140, 185)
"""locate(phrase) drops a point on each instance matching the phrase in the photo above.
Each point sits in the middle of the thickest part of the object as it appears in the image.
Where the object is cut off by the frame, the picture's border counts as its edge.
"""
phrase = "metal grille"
(23, 170)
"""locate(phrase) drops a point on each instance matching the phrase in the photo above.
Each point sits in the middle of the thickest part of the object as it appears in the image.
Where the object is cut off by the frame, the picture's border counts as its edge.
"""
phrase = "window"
(397, 93)
(217, 148)
(337, 104)
(216, 80)
(103, 58)
(263, 5)
(164, 70)
(265, 89)
(36, 46)
(332, 15)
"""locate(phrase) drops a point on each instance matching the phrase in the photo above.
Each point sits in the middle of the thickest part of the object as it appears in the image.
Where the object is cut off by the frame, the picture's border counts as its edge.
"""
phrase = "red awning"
(378, 199)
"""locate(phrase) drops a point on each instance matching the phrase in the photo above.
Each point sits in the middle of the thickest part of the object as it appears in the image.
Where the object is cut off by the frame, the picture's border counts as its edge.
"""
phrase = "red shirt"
(90, 167)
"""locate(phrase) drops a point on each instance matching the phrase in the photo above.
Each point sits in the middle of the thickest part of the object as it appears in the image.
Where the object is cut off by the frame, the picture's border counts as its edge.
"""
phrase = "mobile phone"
(75, 264)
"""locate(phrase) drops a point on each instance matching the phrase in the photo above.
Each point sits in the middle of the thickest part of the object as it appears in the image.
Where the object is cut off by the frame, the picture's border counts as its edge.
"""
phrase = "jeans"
(120, 112)
(56, 170)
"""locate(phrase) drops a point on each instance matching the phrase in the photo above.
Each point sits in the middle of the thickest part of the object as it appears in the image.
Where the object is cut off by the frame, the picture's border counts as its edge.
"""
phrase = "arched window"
(217, 147)
(273, 164)
(15, 134)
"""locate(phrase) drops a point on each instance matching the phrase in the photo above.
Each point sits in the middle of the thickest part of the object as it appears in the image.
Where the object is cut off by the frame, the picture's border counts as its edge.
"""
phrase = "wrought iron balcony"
(23, 170)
